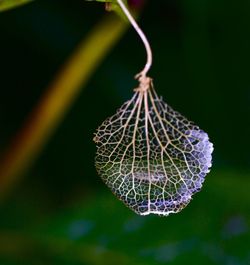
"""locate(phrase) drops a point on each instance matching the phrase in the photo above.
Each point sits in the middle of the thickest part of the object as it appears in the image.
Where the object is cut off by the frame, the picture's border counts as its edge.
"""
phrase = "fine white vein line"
(148, 145)
(134, 140)
(125, 126)
(166, 135)
(163, 148)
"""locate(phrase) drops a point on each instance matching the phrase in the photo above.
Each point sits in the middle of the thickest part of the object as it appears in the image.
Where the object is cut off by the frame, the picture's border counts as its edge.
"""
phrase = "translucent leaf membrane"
(151, 157)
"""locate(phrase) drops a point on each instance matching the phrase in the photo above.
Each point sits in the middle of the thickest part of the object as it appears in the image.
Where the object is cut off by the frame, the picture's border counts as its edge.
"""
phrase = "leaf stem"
(143, 74)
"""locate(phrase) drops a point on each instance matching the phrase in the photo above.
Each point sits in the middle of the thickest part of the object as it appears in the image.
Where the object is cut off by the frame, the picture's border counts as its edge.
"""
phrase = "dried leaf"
(152, 157)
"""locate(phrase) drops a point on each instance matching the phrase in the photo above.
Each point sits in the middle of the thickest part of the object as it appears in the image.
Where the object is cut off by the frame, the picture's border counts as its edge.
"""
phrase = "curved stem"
(144, 39)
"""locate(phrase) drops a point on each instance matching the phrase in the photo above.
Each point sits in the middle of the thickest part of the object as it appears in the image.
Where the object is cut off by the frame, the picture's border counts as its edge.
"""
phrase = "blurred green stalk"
(8, 4)
(58, 98)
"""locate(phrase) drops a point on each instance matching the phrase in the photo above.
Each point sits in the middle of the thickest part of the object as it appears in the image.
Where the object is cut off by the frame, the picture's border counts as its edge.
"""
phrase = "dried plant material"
(150, 156)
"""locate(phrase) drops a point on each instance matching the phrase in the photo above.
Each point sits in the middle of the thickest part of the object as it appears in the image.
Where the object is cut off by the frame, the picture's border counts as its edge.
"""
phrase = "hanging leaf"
(152, 157)
(8, 4)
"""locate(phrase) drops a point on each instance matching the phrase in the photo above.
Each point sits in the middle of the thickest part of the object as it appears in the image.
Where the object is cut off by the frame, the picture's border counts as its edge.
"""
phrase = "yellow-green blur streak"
(8, 4)
(57, 99)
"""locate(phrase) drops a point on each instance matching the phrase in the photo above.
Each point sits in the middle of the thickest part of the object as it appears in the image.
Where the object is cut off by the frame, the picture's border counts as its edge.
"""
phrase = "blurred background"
(54, 209)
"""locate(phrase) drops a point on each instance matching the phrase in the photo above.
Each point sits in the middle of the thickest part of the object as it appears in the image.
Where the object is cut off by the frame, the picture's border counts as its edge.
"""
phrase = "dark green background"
(61, 212)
